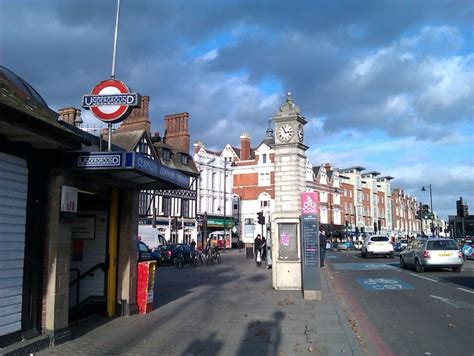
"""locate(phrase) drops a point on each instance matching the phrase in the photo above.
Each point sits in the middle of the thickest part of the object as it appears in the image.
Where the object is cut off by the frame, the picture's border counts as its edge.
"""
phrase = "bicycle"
(197, 258)
(216, 256)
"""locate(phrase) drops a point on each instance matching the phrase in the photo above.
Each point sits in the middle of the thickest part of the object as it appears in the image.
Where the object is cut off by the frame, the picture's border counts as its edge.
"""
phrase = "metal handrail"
(88, 272)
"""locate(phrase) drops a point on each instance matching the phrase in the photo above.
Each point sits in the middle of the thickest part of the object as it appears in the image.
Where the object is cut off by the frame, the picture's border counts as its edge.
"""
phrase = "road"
(401, 312)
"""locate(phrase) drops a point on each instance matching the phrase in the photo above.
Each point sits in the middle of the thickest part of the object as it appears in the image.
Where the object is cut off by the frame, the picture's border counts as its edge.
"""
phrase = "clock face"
(285, 132)
(300, 133)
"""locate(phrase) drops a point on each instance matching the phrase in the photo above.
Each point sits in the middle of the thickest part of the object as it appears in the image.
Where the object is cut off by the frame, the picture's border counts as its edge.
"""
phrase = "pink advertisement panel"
(309, 203)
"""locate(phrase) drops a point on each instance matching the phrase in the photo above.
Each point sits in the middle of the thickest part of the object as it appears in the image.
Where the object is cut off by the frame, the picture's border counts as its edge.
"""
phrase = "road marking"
(429, 279)
(454, 303)
(466, 290)
(362, 266)
(378, 284)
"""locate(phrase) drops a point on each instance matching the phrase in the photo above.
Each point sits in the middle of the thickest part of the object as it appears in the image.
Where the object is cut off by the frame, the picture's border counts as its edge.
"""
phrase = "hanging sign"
(111, 100)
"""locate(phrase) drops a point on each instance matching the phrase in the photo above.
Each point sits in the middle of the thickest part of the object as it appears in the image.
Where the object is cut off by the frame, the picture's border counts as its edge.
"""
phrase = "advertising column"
(310, 247)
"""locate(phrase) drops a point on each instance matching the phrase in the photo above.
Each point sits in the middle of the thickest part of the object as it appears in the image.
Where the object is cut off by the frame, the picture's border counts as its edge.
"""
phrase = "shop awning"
(132, 168)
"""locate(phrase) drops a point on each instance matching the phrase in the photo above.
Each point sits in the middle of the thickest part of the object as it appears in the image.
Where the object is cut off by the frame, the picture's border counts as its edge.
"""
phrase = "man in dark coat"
(322, 247)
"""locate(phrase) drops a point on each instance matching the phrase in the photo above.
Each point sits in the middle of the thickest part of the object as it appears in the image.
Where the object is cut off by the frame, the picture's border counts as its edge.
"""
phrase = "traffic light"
(260, 218)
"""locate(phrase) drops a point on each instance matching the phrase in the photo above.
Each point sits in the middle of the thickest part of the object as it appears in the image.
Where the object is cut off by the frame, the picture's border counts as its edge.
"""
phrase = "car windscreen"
(379, 238)
(441, 245)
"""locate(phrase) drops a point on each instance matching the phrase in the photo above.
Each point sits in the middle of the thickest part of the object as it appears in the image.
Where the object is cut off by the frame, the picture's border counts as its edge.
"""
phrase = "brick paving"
(227, 309)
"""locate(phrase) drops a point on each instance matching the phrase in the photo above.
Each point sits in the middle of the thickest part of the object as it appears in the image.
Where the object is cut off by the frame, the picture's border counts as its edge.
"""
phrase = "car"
(357, 244)
(398, 247)
(146, 254)
(432, 253)
(344, 245)
(377, 245)
(403, 244)
(171, 253)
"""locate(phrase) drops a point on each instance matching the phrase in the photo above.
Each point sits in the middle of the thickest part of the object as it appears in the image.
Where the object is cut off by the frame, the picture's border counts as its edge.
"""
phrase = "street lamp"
(423, 189)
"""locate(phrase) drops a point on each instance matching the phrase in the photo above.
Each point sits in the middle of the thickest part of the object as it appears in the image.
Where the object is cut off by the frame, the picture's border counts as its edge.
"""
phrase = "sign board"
(68, 199)
(310, 242)
(83, 228)
(110, 100)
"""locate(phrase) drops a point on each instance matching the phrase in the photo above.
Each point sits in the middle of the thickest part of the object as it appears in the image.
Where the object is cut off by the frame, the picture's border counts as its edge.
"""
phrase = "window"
(166, 154)
(185, 208)
(264, 158)
(184, 159)
(213, 183)
(166, 206)
(264, 179)
(143, 147)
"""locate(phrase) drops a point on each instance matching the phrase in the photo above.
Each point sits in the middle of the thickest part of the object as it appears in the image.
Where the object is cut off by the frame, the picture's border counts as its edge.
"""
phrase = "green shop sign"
(219, 222)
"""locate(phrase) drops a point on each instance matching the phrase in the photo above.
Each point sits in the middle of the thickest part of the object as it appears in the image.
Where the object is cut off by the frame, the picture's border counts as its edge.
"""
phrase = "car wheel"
(456, 269)
(418, 267)
(402, 263)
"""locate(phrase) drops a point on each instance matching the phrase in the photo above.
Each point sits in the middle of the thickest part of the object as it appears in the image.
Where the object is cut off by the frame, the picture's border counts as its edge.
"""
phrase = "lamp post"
(423, 189)
(225, 203)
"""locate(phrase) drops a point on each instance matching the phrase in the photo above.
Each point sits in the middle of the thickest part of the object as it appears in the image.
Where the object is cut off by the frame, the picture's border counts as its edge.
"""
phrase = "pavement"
(226, 309)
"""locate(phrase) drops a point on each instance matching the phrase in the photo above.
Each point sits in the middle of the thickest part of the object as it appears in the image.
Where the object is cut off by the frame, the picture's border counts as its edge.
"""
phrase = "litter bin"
(145, 284)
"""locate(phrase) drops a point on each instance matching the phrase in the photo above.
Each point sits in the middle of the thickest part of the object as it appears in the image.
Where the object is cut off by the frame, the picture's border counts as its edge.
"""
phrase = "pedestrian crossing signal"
(260, 218)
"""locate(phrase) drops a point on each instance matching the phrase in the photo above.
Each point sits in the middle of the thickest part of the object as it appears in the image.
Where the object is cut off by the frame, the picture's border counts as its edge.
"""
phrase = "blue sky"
(387, 85)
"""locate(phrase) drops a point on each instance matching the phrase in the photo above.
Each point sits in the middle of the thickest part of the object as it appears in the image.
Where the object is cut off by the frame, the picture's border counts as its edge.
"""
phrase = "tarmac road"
(402, 312)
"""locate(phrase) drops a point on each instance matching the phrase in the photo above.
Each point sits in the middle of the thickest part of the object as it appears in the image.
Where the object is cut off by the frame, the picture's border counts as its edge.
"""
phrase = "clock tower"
(290, 182)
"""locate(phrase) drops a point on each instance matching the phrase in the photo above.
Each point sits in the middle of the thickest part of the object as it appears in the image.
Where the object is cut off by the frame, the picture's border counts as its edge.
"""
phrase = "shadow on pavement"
(207, 346)
(262, 338)
(169, 284)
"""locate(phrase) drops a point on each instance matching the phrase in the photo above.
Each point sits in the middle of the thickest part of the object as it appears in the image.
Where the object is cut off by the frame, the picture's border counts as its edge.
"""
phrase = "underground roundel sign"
(111, 100)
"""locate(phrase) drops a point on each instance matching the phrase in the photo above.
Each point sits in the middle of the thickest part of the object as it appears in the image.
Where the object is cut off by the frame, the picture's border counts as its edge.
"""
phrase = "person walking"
(257, 246)
(322, 247)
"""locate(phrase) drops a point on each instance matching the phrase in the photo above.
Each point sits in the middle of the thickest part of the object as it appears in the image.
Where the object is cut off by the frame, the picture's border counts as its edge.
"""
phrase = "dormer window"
(184, 159)
(166, 154)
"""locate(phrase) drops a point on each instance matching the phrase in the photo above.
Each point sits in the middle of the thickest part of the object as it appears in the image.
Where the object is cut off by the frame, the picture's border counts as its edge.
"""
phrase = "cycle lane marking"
(383, 284)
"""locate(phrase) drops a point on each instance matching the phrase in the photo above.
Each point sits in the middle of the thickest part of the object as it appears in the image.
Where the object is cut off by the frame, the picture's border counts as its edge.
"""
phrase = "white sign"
(83, 228)
(68, 199)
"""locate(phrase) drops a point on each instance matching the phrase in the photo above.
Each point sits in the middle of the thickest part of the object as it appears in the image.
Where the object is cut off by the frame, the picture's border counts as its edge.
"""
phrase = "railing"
(80, 276)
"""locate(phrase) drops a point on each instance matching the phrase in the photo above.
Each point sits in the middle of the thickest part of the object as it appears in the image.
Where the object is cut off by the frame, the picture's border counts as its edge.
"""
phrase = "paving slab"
(226, 309)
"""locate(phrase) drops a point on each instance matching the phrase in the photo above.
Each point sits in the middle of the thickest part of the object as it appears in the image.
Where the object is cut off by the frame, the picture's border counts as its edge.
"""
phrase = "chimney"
(327, 167)
(245, 146)
(138, 118)
(197, 146)
(70, 115)
(176, 131)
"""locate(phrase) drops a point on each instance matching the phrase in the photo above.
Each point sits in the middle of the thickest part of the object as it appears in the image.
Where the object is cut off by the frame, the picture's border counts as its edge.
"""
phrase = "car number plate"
(445, 254)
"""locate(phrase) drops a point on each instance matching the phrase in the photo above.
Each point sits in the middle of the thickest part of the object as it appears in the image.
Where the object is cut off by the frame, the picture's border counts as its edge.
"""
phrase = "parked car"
(146, 254)
(357, 244)
(377, 245)
(344, 245)
(432, 253)
(170, 253)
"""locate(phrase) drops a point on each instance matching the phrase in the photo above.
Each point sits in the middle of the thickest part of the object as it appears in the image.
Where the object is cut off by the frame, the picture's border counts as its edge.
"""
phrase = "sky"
(386, 85)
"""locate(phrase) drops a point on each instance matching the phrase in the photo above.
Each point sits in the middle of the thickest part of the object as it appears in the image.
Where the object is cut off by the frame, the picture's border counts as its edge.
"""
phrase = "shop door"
(13, 199)
(87, 292)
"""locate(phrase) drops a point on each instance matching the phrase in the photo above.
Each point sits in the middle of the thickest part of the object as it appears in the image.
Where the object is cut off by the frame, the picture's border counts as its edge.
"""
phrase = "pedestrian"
(193, 244)
(257, 246)
(322, 247)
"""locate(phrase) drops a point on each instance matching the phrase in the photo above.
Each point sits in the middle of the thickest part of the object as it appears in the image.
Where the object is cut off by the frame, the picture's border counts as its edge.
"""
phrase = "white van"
(150, 236)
